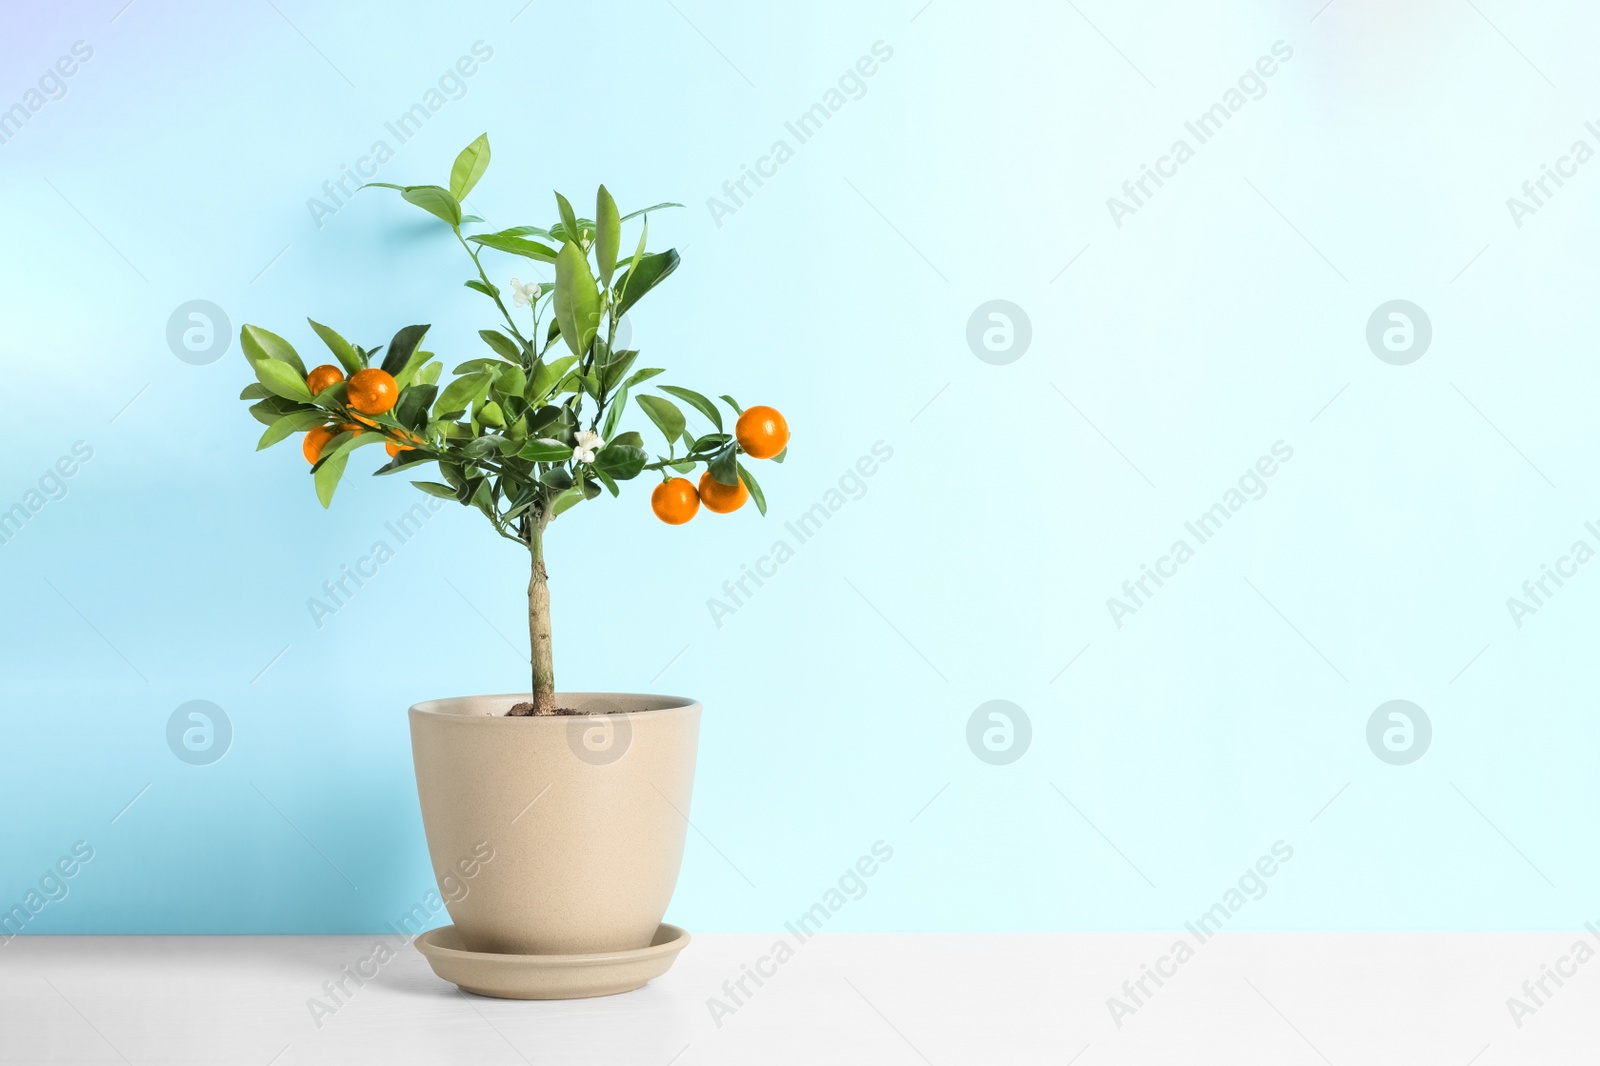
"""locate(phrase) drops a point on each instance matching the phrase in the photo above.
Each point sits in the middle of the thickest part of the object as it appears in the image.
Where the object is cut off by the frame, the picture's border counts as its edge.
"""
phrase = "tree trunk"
(539, 638)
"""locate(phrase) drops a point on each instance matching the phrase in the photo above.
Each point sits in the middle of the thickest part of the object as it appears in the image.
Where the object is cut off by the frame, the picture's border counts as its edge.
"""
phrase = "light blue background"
(1173, 351)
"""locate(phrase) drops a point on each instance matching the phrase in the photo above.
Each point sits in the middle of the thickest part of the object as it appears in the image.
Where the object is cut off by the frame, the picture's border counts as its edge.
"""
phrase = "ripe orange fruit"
(316, 440)
(721, 498)
(372, 391)
(323, 376)
(675, 501)
(762, 432)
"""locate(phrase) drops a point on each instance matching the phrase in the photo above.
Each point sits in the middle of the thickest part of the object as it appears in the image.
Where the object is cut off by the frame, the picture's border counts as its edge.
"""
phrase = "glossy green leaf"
(503, 346)
(434, 200)
(569, 221)
(254, 391)
(724, 466)
(282, 379)
(487, 290)
(665, 414)
(543, 451)
(620, 461)
(469, 167)
(698, 402)
(259, 344)
(642, 375)
(342, 349)
(415, 402)
(649, 272)
(460, 394)
(566, 501)
(646, 210)
(733, 403)
(547, 375)
(402, 348)
(607, 235)
(286, 425)
(577, 300)
(516, 246)
(433, 488)
(756, 494)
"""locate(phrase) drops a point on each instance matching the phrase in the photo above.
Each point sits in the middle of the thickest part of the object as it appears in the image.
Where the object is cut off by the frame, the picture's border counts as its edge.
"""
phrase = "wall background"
(1167, 354)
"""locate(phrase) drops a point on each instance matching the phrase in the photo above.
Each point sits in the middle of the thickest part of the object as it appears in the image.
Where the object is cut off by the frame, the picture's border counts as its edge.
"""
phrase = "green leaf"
(724, 466)
(541, 451)
(469, 167)
(566, 501)
(342, 349)
(254, 391)
(491, 415)
(607, 234)
(511, 382)
(643, 210)
(272, 408)
(631, 438)
(433, 488)
(293, 422)
(620, 461)
(327, 476)
(547, 375)
(434, 200)
(488, 290)
(755, 490)
(644, 276)
(665, 414)
(577, 300)
(781, 456)
(503, 346)
(698, 402)
(568, 219)
(282, 379)
(429, 374)
(412, 410)
(516, 246)
(733, 403)
(642, 375)
(460, 394)
(557, 477)
(614, 412)
(259, 344)
(401, 349)
(524, 231)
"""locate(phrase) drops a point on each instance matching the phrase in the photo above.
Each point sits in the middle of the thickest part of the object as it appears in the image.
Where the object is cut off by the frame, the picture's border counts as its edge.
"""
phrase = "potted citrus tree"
(581, 798)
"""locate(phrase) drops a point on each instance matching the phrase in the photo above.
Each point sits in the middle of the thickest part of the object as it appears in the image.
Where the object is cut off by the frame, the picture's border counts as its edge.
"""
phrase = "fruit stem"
(539, 634)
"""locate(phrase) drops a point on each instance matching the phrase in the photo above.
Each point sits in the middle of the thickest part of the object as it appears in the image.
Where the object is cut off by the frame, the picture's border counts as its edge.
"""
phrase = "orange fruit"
(722, 498)
(316, 440)
(675, 501)
(372, 391)
(762, 432)
(323, 376)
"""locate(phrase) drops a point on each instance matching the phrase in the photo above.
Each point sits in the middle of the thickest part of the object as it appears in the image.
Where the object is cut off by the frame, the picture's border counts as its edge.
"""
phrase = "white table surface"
(889, 999)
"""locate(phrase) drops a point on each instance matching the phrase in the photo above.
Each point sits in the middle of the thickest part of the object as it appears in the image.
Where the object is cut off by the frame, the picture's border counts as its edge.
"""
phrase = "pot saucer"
(549, 976)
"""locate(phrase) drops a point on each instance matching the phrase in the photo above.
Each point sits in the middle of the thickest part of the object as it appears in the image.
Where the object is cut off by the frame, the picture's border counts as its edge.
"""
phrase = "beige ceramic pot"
(556, 835)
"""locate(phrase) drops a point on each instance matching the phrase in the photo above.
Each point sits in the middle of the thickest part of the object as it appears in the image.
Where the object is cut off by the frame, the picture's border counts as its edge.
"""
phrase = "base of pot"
(549, 976)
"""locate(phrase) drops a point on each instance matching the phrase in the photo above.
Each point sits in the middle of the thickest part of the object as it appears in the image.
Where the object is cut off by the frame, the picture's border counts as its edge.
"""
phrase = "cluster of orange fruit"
(762, 432)
(372, 392)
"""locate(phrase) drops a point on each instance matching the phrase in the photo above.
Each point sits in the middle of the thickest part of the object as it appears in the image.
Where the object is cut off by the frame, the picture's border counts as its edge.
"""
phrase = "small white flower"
(523, 295)
(589, 442)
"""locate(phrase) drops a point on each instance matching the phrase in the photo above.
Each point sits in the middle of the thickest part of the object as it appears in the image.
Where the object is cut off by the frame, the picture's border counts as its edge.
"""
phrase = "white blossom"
(523, 295)
(589, 442)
